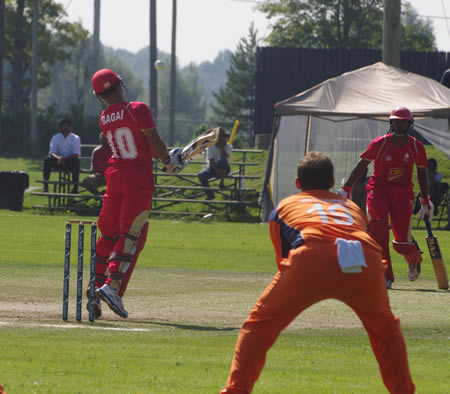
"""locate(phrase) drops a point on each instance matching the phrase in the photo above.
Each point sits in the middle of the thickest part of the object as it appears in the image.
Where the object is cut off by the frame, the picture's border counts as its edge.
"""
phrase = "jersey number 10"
(122, 143)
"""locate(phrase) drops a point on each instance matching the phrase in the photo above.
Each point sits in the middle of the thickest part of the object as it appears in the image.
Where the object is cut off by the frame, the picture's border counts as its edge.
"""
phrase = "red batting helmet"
(401, 113)
(103, 80)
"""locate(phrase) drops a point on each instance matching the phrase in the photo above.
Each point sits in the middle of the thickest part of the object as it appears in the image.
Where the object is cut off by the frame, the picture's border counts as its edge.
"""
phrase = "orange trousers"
(309, 275)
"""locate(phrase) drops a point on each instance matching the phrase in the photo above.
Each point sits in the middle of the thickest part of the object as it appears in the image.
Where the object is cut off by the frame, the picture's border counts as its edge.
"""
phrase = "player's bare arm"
(57, 157)
(357, 172)
(159, 148)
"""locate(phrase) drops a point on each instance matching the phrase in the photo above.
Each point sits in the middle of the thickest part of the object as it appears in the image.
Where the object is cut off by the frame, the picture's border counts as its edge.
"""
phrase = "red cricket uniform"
(390, 188)
(128, 196)
(306, 229)
(100, 159)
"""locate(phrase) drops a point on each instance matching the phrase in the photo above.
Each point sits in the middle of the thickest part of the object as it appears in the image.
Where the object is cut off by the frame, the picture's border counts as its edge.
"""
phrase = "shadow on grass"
(424, 290)
(189, 326)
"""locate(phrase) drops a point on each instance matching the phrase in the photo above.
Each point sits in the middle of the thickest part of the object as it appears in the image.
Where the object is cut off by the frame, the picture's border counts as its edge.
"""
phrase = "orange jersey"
(316, 214)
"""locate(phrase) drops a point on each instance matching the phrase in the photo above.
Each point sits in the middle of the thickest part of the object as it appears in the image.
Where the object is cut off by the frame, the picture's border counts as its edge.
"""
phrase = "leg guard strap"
(121, 257)
(113, 239)
(130, 236)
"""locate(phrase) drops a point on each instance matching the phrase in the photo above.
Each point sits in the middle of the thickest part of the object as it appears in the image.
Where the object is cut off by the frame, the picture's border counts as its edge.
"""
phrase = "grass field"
(194, 285)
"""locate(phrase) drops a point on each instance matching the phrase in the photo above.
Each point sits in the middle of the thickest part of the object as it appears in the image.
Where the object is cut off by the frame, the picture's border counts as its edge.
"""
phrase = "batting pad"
(408, 250)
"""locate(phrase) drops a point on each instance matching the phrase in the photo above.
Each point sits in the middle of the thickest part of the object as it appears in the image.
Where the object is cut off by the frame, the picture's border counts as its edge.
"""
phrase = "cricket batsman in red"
(390, 190)
(123, 222)
(323, 252)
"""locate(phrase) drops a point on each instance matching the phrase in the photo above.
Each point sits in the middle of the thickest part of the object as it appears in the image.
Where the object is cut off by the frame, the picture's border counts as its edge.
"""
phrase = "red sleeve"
(372, 150)
(143, 116)
(422, 160)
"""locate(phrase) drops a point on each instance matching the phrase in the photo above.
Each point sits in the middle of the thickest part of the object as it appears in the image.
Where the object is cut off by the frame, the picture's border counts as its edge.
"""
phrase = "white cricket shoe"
(97, 304)
(413, 271)
(114, 301)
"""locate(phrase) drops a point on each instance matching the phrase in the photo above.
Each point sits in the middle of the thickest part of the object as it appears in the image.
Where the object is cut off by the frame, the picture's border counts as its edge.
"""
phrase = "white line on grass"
(73, 326)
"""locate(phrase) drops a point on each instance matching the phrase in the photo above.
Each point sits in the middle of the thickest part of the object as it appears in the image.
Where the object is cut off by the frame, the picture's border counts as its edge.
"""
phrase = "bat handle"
(428, 225)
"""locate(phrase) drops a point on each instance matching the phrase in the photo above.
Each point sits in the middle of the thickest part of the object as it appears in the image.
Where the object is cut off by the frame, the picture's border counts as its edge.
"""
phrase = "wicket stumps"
(67, 249)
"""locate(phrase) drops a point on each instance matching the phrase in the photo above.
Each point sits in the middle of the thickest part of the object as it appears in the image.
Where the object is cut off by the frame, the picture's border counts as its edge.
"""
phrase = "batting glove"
(345, 191)
(174, 165)
(426, 208)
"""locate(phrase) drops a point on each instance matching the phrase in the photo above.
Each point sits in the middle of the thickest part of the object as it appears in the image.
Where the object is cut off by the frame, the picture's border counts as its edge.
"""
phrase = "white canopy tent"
(342, 115)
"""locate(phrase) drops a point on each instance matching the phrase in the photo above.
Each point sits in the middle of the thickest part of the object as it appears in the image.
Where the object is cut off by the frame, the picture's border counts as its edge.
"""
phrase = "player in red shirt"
(323, 252)
(390, 189)
(99, 163)
(133, 139)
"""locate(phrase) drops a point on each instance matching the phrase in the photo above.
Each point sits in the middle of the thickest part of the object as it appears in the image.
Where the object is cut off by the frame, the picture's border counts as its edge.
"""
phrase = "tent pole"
(265, 193)
(308, 135)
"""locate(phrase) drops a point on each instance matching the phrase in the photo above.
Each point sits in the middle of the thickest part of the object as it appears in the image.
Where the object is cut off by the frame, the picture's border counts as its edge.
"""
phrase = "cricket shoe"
(97, 304)
(413, 271)
(114, 301)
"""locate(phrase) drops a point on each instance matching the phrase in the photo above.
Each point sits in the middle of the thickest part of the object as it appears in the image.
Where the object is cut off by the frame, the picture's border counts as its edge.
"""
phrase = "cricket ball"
(160, 65)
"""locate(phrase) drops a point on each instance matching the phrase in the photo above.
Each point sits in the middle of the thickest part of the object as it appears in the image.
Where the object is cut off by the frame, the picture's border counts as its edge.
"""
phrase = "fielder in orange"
(323, 251)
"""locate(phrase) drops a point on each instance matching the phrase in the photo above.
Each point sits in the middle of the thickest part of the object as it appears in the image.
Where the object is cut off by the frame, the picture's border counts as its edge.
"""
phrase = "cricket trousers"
(309, 275)
(396, 202)
(123, 223)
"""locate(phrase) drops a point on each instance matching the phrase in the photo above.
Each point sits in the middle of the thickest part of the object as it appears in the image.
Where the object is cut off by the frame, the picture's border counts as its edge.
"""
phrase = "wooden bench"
(61, 198)
(169, 189)
(64, 201)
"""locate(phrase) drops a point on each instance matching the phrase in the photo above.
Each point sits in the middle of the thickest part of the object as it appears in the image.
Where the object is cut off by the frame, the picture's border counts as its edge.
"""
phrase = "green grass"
(194, 285)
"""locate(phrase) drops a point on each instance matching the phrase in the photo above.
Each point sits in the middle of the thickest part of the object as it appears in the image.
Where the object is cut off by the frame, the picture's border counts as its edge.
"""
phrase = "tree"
(334, 24)
(70, 92)
(236, 100)
(190, 110)
(212, 75)
(416, 34)
(56, 39)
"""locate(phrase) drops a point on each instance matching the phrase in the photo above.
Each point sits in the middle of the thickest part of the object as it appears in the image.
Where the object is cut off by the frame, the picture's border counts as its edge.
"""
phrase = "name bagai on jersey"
(112, 117)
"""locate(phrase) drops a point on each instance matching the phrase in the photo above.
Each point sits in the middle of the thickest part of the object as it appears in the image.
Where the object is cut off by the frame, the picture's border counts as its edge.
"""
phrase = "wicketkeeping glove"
(174, 165)
(426, 208)
(345, 191)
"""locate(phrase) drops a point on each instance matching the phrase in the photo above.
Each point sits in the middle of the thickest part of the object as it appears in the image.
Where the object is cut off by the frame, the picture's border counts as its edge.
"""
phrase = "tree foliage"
(416, 34)
(190, 105)
(190, 108)
(236, 99)
(212, 75)
(332, 24)
(70, 92)
(57, 37)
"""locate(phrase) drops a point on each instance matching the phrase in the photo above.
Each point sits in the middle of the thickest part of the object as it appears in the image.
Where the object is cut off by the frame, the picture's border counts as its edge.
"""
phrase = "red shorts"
(128, 193)
(394, 201)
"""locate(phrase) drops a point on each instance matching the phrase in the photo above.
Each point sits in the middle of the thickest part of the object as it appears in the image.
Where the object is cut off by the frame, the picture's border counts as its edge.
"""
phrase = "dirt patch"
(166, 299)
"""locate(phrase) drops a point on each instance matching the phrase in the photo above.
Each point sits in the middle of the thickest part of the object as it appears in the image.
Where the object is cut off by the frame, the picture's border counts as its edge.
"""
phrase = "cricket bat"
(233, 132)
(436, 257)
(200, 143)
